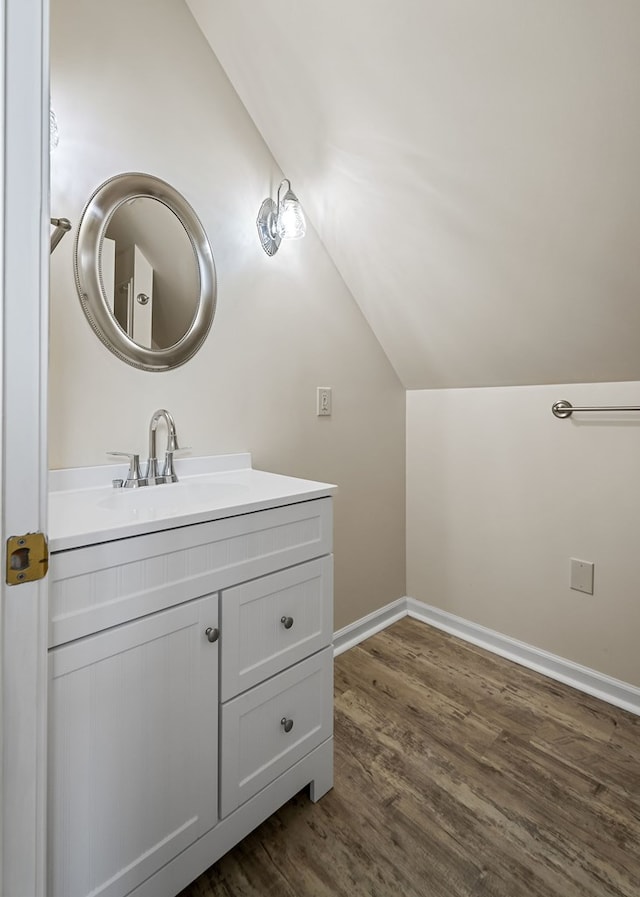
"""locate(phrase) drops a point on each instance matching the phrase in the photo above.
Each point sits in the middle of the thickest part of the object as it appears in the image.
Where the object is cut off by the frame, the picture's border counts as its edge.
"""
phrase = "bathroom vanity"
(190, 665)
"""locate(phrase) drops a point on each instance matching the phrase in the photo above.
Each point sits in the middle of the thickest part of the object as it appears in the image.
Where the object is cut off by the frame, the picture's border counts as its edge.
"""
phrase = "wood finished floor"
(457, 774)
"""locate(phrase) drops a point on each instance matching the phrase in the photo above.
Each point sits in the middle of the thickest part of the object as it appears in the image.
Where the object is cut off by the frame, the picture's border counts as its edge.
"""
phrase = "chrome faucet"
(168, 474)
(134, 479)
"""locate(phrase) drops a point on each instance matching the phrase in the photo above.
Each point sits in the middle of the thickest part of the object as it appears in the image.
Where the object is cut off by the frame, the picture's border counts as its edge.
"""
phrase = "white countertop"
(85, 509)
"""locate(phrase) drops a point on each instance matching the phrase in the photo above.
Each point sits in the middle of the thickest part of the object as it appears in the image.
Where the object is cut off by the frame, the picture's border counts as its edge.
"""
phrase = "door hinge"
(27, 558)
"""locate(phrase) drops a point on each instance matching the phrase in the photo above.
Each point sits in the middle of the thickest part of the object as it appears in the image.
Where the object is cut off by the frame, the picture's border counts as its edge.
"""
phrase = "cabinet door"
(133, 738)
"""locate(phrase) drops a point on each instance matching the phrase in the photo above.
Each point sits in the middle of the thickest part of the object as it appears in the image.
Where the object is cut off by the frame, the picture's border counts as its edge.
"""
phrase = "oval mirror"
(145, 272)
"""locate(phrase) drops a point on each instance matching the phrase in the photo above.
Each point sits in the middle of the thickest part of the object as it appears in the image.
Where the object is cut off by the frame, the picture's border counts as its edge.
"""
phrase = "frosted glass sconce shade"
(291, 224)
(281, 220)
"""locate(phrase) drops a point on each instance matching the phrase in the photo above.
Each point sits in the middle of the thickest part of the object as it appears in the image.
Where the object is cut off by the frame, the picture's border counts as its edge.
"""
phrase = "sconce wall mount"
(269, 238)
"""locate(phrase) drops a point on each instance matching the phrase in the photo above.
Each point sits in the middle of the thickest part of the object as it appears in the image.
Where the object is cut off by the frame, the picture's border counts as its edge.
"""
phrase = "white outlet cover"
(582, 576)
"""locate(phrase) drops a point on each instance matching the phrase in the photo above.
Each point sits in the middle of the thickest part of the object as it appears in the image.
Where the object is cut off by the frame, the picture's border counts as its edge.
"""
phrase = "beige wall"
(160, 103)
(500, 494)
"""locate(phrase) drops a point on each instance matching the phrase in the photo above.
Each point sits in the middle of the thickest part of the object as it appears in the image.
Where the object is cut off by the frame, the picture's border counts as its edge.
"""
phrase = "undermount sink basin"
(171, 497)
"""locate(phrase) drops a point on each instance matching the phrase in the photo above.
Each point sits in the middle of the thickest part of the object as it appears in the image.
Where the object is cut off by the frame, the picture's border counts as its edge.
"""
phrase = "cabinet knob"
(287, 724)
(212, 634)
(287, 622)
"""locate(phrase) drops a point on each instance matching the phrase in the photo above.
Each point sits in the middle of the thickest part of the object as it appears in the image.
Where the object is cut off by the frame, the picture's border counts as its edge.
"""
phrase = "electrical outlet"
(323, 401)
(582, 576)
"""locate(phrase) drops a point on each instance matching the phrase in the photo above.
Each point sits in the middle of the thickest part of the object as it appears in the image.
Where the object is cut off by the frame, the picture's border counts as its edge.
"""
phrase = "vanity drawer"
(255, 748)
(271, 623)
(100, 586)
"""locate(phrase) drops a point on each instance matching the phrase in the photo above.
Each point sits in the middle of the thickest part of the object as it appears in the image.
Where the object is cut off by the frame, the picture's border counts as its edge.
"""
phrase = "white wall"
(472, 168)
(500, 494)
(136, 88)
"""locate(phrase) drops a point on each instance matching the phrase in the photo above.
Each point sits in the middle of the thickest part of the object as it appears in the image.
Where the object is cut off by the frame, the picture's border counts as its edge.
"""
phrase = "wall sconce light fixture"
(62, 225)
(280, 220)
(54, 133)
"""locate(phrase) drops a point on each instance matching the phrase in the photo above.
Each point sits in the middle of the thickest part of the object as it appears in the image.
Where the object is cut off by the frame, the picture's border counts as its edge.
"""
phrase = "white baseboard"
(357, 632)
(591, 682)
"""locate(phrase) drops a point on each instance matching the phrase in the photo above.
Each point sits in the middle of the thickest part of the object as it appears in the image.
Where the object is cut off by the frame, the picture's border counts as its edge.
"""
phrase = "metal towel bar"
(564, 409)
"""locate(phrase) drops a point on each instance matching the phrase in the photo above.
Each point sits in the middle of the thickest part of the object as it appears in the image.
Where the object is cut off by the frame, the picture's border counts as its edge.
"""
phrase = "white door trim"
(24, 268)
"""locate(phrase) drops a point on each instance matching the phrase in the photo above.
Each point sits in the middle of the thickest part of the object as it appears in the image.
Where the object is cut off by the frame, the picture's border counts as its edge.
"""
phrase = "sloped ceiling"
(472, 168)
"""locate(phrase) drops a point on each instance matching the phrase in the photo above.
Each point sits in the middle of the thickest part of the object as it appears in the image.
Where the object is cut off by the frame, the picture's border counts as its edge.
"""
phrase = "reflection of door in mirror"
(133, 294)
(156, 281)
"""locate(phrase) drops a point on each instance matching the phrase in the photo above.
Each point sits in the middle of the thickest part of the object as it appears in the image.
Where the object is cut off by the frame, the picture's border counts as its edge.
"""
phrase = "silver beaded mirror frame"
(91, 280)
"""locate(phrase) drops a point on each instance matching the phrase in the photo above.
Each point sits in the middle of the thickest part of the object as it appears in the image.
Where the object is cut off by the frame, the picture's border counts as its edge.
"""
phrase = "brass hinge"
(27, 558)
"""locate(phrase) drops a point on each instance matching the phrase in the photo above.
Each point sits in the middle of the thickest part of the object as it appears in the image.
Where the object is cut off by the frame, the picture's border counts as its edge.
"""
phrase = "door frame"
(24, 274)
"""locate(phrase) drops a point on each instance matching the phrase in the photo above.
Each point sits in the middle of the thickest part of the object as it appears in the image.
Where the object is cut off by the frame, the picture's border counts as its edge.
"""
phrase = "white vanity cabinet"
(190, 694)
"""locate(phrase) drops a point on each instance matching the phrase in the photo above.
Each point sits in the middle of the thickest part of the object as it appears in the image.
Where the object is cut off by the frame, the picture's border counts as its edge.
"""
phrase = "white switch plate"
(323, 401)
(582, 576)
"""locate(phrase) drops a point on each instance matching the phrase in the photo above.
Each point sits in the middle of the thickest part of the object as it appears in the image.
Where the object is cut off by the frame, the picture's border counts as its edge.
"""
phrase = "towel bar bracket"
(62, 226)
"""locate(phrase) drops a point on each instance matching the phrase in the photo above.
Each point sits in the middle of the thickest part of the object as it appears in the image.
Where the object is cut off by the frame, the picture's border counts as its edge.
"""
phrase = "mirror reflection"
(150, 273)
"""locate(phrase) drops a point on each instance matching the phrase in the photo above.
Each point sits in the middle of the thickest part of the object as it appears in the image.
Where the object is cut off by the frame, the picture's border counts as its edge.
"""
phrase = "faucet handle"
(168, 472)
(133, 476)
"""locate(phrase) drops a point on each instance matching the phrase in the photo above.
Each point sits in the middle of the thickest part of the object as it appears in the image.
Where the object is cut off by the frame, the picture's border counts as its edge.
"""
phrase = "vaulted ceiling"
(473, 169)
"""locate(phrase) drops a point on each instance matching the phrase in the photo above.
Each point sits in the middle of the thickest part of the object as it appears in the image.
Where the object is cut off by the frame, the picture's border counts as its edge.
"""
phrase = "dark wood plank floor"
(457, 774)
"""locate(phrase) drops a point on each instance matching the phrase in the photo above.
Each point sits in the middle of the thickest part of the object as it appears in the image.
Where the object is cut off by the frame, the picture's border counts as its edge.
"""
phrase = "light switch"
(323, 401)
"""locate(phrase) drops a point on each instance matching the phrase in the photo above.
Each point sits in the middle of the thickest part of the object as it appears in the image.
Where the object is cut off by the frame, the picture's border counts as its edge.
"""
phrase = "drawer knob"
(212, 634)
(287, 724)
(287, 622)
